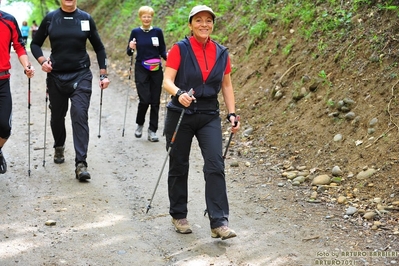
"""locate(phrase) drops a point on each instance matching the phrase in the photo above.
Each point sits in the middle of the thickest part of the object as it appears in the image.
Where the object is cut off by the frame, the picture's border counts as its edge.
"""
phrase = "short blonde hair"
(146, 10)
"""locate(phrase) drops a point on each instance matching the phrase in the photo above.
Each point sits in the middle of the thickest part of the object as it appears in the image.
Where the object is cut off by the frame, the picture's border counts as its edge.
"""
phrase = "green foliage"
(128, 9)
(321, 46)
(330, 102)
(330, 21)
(288, 48)
(322, 74)
(176, 26)
(259, 30)
(39, 8)
(389, 6)
(307, 14)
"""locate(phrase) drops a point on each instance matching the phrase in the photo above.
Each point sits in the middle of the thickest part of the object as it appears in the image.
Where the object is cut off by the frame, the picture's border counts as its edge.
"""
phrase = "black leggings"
(5, 108)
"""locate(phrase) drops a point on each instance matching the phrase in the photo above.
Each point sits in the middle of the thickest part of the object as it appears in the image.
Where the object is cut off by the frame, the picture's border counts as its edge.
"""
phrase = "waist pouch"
(68, 82)
(152, 64)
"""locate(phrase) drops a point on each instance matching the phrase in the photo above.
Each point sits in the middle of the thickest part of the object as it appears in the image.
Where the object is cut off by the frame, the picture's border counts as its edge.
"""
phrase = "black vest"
(189, 76)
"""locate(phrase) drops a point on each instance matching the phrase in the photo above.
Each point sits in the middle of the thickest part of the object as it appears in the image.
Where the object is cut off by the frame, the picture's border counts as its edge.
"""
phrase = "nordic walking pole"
(227, 148)
(45, 130)
(231, 136)
(29, 125)
(101, 106)
(190, 93)
(127, 93)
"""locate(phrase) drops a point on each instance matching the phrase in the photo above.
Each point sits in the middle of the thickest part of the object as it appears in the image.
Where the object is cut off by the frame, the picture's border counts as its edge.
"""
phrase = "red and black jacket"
(10, 34)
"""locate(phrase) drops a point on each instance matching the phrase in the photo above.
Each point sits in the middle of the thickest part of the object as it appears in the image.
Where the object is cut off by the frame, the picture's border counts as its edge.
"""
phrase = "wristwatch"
(230, 115)
(178, 93)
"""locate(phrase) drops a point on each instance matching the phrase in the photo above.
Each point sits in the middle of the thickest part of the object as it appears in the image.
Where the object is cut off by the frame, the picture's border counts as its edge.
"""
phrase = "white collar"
(146, 30)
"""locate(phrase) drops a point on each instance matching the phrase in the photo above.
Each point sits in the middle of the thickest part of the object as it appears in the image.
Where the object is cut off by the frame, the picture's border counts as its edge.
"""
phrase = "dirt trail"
(103, 222)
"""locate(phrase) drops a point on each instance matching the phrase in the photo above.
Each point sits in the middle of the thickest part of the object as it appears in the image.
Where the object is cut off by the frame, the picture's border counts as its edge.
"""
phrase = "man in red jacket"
(10, 34)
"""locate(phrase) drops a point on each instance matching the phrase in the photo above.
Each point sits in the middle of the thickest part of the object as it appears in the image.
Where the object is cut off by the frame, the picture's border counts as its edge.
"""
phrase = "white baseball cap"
(200, 8)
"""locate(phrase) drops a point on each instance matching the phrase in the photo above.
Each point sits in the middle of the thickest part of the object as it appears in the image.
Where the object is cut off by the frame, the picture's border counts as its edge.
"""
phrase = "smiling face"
(68, 5)
(201, 26)
(145, 15)
(146, 19)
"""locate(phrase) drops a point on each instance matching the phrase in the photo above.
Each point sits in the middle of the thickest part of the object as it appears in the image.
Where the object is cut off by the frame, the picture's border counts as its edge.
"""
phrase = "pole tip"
(148, 208)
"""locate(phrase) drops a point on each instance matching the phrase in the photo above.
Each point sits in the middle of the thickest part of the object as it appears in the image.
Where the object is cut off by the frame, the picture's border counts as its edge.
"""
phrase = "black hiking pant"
(5, 108)
(79, 95)
(149, 88)
(207, 129)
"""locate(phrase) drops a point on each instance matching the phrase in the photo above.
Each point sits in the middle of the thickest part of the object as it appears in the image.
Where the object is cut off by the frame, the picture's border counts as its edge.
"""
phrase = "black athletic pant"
(207, 129)
(149, 88)
(80, 102)
(5, 108)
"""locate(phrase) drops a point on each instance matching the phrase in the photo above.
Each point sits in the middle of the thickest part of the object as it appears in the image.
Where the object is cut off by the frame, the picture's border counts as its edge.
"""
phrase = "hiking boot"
(152, 136)
(3, 164)
(139, 131)
(81, 171)
(59, 155)
(223, 232)
(182, 226)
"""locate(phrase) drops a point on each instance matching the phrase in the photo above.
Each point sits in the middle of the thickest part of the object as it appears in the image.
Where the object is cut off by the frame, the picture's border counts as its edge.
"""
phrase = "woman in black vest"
(201, 64)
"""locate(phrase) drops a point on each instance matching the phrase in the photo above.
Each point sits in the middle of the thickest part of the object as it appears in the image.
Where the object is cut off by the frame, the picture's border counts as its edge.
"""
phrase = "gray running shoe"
(59, 155)
(139, 131)
(81, 171)
(152, 136)
(3, 164)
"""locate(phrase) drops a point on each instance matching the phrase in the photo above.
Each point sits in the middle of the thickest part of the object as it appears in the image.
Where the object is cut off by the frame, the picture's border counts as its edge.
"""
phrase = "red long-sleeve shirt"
(10, 34)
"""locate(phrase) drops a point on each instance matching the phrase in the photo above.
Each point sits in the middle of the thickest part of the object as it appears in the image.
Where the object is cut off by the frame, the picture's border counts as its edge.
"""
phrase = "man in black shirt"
(69, 76)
